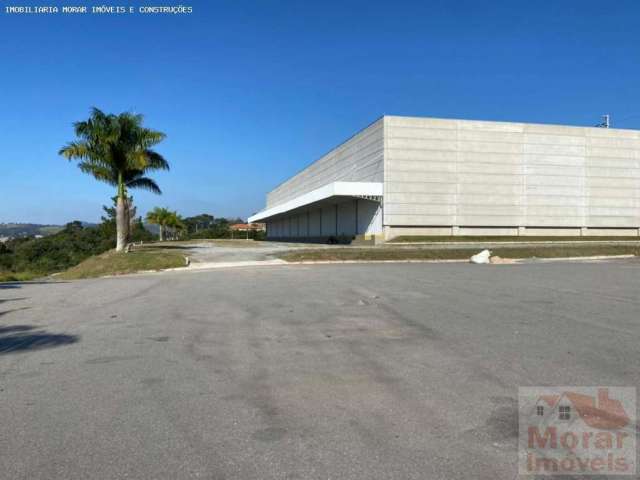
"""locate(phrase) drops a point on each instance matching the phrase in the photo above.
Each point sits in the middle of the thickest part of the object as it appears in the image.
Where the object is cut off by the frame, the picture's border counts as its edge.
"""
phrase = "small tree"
(161, 217)
(176, 225)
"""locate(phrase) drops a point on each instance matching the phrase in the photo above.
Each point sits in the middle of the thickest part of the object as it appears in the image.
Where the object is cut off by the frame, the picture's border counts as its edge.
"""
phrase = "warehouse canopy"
(370, 190)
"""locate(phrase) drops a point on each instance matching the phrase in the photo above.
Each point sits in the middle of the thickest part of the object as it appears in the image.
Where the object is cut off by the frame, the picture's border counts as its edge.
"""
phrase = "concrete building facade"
(427, 176)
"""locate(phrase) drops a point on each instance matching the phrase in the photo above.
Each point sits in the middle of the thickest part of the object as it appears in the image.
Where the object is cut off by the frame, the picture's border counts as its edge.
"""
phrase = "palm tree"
(117, 149)
(161, 217)
(176, 224)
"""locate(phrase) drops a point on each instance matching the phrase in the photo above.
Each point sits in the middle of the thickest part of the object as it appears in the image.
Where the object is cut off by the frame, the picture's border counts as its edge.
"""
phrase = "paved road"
(225, 251)
(301, 372)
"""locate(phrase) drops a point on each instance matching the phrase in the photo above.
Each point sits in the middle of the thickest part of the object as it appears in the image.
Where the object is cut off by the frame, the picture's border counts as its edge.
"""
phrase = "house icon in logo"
(601, 412)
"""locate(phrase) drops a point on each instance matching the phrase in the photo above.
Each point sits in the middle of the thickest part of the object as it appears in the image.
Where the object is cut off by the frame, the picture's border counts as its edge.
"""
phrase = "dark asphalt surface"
(405, 371)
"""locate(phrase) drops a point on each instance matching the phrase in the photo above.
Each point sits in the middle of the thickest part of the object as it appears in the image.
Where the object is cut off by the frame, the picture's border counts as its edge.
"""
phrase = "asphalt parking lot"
(378, 371)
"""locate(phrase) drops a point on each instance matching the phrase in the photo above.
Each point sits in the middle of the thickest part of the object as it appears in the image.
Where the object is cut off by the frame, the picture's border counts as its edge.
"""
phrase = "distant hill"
(13, 230)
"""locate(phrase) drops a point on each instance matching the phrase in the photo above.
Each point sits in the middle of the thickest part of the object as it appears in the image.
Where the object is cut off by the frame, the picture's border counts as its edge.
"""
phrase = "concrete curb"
(532, 243)
(195, 266)
(597, 257)
(329, 262)
(266, 263)
(511, 261)
(203, 267)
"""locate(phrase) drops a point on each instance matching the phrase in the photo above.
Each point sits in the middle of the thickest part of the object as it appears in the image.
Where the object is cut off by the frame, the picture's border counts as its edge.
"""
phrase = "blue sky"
(251, 92)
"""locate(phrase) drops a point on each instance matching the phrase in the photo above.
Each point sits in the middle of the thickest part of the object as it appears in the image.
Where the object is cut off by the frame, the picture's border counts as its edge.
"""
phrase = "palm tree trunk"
(121, 217)
(127, 216)
(121, 224)
(161, 232)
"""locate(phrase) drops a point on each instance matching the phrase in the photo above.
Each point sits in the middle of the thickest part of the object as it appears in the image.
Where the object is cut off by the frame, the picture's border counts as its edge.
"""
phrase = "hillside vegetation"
(27, 229)
(25, 258)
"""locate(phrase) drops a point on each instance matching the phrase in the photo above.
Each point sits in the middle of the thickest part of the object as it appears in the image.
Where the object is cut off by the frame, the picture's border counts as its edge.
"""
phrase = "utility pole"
(606, 121)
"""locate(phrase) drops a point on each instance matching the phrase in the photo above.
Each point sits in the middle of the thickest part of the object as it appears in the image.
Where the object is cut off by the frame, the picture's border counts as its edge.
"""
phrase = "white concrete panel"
(424, 155)
(557, 160)
(490, 198)
(420, 144)
(541, 139)
(613, 221)
(489, 147)
(420, 187)
(553, 201)
(613, 172)
(509, 190)
(542, 149)
(490, 178)
(553, 173)
(490, 210)
(612, 162)
(359, 159)
(552, 129)
(609, 152)
(484, 157)
(553, 190)
(421, 166)
(419, 209)
(490, 126)
(555, 210)
(419, 122)
(607, 192)
(429, 198)
(552, 221)
(612, 182)
(490, 136)
(555, 170)
(427, 177)
(484, 220)
(555, 180)
(494, 168)
(409, 220)
(423, 133)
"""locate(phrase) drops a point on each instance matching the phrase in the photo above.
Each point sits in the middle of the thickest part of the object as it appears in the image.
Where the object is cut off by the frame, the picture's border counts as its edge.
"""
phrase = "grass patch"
(389, 253)
(112, 263)
(18, 276)
(525, 239)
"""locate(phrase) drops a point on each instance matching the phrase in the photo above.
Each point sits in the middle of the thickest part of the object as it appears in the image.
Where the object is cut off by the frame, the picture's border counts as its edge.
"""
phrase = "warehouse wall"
(319, 223)
(359, 159)
(460, 173)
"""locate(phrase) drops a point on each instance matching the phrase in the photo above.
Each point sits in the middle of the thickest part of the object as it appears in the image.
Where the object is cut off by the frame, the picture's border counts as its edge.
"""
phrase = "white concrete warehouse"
(427, 176)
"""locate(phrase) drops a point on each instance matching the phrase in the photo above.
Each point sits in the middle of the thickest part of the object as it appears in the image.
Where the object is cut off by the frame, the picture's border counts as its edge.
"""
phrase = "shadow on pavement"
(13, 310)
(15, 299)
(28, 282)
(15, 328)
(24, 338)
